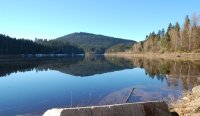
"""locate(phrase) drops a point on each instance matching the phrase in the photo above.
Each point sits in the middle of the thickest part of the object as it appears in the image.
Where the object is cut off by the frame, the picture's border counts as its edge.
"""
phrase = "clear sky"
(129, 19)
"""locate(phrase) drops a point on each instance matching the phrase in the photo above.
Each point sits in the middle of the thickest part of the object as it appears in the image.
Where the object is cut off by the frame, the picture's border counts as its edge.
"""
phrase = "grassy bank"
(182, 56)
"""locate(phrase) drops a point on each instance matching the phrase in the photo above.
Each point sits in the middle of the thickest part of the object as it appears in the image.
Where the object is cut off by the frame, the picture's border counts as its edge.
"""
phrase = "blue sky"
(129, 19)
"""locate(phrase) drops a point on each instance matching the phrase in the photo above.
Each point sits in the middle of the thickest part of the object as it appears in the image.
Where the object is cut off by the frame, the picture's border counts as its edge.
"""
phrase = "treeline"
(174, 39)
(10, 45)
(122, 47)
(59, 47)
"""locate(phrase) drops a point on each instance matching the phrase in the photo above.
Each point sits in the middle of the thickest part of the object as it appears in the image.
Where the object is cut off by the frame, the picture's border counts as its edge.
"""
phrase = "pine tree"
(186, 34)
(177, 36)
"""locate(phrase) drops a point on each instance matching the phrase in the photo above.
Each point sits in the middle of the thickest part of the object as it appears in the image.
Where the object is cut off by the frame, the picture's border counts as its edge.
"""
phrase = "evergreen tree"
(169, 27)
(186, 34)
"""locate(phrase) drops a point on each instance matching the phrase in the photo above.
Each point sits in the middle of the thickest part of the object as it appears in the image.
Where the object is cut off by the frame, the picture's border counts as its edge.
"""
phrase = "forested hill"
(92, 43)
(75, 43)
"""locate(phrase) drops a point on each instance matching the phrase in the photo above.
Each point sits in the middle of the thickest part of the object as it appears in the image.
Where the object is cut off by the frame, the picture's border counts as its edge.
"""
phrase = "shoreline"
(172, 56)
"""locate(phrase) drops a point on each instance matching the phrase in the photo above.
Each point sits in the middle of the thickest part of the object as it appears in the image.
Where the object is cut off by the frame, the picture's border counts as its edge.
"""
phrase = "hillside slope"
(92, 43)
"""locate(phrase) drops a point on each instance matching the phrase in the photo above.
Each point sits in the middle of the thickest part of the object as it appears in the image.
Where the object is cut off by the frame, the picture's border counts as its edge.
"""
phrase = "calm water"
(30, 86)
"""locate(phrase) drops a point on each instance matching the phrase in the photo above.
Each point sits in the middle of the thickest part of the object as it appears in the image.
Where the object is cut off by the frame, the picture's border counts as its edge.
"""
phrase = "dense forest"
(92, 43)
(10, 45)
(174, 39)
(59, 47)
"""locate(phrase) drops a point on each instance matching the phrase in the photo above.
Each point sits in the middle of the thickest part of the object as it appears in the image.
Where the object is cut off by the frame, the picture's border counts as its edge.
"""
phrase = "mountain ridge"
(94, 43)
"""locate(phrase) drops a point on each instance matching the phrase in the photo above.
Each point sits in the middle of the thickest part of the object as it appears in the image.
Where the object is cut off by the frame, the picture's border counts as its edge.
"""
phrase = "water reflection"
(77, 66)
(187, 71)
(35, 84)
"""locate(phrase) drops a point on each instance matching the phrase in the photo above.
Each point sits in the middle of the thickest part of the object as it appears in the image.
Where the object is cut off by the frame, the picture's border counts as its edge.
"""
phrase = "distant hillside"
(92, 43)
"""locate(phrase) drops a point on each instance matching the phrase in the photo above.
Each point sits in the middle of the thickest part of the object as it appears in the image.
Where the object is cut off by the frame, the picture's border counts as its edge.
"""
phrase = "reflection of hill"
(187, 71)
(77, 66)
(92, 66)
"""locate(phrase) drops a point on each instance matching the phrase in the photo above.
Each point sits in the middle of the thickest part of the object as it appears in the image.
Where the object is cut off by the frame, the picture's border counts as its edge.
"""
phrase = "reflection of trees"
(187, 71)
(19, 64)
(78, 66)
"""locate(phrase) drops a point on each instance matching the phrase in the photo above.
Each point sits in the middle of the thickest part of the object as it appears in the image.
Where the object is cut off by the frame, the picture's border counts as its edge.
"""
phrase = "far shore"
(172, 56)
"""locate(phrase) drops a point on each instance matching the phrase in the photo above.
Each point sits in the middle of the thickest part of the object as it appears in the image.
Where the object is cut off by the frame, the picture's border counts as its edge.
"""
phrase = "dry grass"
(174, 56)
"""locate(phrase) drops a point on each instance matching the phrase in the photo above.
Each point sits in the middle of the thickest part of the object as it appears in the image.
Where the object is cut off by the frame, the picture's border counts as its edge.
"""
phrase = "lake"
(32, 85)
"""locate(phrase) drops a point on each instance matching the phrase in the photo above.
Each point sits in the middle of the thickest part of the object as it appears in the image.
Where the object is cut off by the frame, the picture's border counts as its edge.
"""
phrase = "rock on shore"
(189, 105)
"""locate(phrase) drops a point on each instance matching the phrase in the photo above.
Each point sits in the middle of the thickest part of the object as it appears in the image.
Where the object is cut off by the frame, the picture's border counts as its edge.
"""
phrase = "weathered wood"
(130, 109)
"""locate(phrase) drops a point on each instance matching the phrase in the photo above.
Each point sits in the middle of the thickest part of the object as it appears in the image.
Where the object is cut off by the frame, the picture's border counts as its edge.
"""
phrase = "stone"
(186, 99)
(196, 90)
